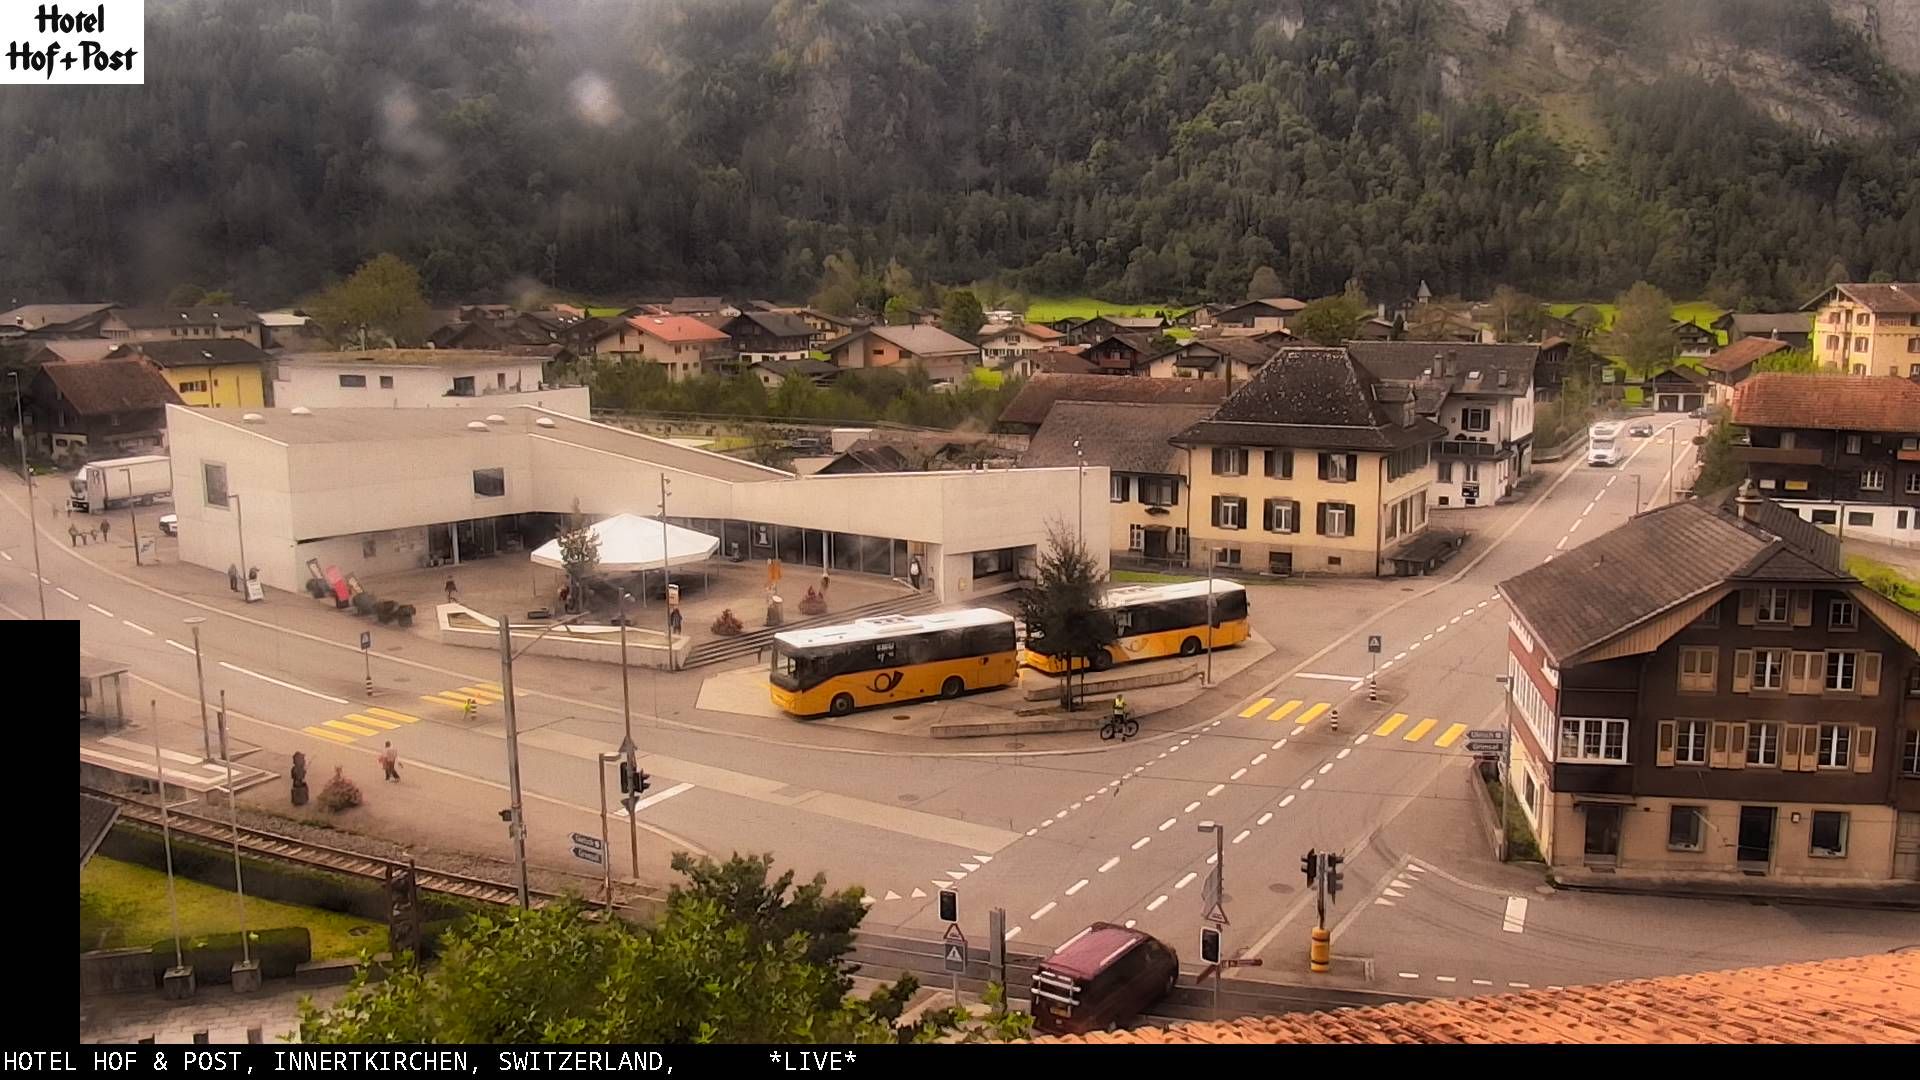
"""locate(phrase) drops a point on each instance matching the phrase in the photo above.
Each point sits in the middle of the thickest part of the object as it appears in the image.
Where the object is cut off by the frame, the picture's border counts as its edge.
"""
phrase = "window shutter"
(1710, 668)
(1216, 511)
(1273, 463)
(1664, 753)
(1802, 607)
(1353, 466)
(1286, 464)
(1789, 747)
(1742, 670)
(1323, 466)
(1869, 679)
(1717, 745)
(1863, 749)
(1174, 486)
(1809, 747)
(1320, 517)
(1737, 748)
(1266, 510)
(1241, 518)
(1801, 677)
(1746, 607)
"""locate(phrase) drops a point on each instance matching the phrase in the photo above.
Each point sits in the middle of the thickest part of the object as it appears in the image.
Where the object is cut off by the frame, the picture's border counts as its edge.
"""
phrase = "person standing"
(73, 536)
(826, 578)
(106, 527)
(913, 571)
(452, 589)
(390, 761)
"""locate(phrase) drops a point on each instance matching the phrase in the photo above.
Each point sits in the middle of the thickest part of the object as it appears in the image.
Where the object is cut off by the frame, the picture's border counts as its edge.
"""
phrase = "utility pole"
(166, 841)
(516, 822)
(200, 675)
(626, 746)
(1667, 497)
(606, 863)
(1080, 493)
(666, 582)
(1210, 617)
(1215, 893)
(233, 821)
(33, 513)
(240, 525)
(133, 515)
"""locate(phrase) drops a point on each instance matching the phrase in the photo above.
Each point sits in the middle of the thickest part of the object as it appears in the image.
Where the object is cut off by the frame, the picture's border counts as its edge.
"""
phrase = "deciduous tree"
(380, 300)
(962, 316)
(1642, 337)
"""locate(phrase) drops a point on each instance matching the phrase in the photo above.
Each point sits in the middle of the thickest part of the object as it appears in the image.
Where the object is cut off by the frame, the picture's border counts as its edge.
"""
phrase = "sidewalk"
(224, 1015)
(1880, 895)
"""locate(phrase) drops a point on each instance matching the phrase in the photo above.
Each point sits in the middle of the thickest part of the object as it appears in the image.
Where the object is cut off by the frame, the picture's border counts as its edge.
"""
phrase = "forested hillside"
(1137, 149)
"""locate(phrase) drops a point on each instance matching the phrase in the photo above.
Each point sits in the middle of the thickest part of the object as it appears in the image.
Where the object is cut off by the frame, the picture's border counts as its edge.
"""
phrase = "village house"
(80, 412)
(1695, 341)
(1310, 468)
(1230, 359)
(53, 322)
(1868, 329)
(1482, 395)
(1841, 451)
(1002, 344)
(946, 358)
(1795, 328)
(681, 344)
(1129, 353)
(1089, 331)
(420, 379)
(773, 373)
(211, 372)
(1029, 408)
(759, 336)
(1676, 389)
(1269, 314)
(1705, 692)
(1146, 473)
(202, 322)
(1729, 367)
(1047, 362)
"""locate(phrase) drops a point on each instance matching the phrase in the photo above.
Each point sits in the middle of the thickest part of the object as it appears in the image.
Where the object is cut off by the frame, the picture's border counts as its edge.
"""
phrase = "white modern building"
(420, 379)
(376, 490)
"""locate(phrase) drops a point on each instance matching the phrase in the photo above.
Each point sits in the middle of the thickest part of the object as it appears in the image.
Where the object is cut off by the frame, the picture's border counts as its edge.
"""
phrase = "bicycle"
(1124, 726)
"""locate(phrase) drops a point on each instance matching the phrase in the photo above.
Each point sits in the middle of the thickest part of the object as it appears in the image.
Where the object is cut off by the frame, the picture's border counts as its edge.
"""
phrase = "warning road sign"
(1217, 915)
(1373, 642)
(956, 957)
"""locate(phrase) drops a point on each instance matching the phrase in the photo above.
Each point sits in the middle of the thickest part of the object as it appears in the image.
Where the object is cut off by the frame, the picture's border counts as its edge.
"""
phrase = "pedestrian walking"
(105, 528)
(390, 761)
(452, 589)
(73, 536)
(826, 579)
(913, 571)
(673, 621)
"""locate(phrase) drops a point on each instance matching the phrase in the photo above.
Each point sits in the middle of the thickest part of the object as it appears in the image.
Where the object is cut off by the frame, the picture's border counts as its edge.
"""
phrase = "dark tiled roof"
(96, 820)
(1409, 361)
(1661, 559)
(1123, 436)
(1252, 351)
(1683, 374)
(811, 368)
(776, 323)
(687, 305)
(169, 354)
(1790, 322)
(1309, 396)
(153, 318)
(1828, 402)
(1031, 405)
(1059, 362)
(44, 316)
(1891, 298)
(101, 387)
(1741, 353)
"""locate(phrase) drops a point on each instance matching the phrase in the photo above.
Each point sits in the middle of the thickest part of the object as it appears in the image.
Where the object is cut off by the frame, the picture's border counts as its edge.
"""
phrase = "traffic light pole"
(606, 863)
(517, 824)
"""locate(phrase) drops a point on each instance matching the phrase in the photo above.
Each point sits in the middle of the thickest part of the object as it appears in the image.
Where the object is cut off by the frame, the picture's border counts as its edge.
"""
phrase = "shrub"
(339, 794)
(728, 624)
(364, 603)
(278, 952)
(384, 610)
(404, 614)
(316, 588)
(813, 604)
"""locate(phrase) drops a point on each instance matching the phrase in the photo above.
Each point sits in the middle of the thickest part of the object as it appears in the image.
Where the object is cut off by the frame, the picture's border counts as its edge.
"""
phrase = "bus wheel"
(1102, 660)
(953, 687)
(1190, 647)
(842, 704)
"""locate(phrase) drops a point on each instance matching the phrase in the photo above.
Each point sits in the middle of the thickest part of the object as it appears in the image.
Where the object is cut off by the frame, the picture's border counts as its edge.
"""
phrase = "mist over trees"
(1137, 149)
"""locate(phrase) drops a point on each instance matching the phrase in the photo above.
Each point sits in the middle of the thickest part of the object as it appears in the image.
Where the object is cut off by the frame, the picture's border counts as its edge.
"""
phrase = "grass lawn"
(1886, 580)
(1148, 577)
(603, 312)
(1046, 309)
(123, 905)
(988, 378)
(1698, 312)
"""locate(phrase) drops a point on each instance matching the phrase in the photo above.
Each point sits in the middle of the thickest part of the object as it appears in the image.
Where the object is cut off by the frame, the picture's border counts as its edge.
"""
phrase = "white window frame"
(1763, 745)
(1467, 415)
(1690, 741)
(1833, 746)
(1286, 517)
(1136, 538)
(1910, 753)
(1598, 740)
(1873, 480)
(1913, 478)
(1841, 671)
(1119, 487)
(1337, 469)
(1853, 443)
(1337, 523)
(1778, 670)
(1835, 608)
(1233, 512)
(1762, 605)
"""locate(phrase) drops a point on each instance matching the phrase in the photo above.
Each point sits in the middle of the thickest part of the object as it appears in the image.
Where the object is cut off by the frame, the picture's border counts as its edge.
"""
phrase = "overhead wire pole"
(627, 745)
(516, 822)
(200, 676)
(233, 822)
(666, 584)
(33, 513)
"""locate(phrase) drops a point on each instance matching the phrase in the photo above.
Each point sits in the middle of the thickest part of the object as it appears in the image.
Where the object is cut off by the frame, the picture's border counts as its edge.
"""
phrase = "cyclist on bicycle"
(1119, 709)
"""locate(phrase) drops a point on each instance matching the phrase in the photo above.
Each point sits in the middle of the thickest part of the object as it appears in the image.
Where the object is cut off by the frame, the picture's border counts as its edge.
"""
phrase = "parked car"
(1640, 431)
(1697, 413)
(170, 524)
(1101, 979)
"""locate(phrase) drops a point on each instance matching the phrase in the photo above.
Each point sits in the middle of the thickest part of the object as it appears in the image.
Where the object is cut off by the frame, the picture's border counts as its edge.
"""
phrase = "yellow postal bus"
(1160, 620)
(837, 669)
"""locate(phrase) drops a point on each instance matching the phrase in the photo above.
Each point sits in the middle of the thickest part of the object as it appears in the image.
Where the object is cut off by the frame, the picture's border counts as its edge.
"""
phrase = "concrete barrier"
(461, 625)
(1099, 683)
(1088, 720)
(116, 971)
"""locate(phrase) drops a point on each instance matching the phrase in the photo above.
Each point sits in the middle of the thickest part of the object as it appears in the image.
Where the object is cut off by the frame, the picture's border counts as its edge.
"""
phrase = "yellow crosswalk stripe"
(1448, 737)
(1307, 717)
(494, 686)
(391, 715)
(1419, 730)
(444, 698)
(1254, 709)
(1281, 712)
(362, 718)
(1393, 723)
(485, 697)
(325, 734)
(342, 725)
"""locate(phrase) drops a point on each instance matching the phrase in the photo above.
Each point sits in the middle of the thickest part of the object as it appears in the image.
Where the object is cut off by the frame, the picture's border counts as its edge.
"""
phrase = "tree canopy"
(1642, 337)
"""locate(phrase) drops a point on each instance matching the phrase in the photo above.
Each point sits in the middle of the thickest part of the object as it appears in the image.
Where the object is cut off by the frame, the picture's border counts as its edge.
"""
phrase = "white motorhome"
(1603, 444)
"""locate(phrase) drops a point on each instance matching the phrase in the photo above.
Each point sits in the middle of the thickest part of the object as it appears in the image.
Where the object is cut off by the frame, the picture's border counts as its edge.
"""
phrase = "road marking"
(1483, 603)
(1277, 745)
(919, 895)
(1547, 559)
(1171, 750)
(1186, 740)
(1398, 884)
(1413, 646)
(1157, 901)
(1076, 886)
(941, 884)
(1450, 735)
(1445, 978)
(188, 649)
(1419, 730)
(1429, 637)
(1469, 611)
(1013, 933)
(1215, 790)
(891, 895)
(1307, 784)
(1572, 527)
(1361, 739)
(1516, 920)
(1191, 807)
(284, 685)
(1386, 665)
(1550, 987)
(1042, 913)
(1382, 902)
(64, 593)
(1409, 974)
(1211, 859)
(1109, 864)
(1344, 751)
(103, 611)
(342, 725)
(1521, 986)
(1327, 768)
(1281, 712)
(969, 867)
(4, 555)
(1416, 868)
(1352, 679)
(1254, 709)
(1562, 545)
(1059, 815)
(1307, 717)
(1587, 511)
(1237, 774)
(390, 714)
(1401, 655)
(1258, 758)
(1284, 802)
(1483, 982)
(1167, 824)
(136, 626)
(1442, 628)
(1185, 881)
(1138, 769)
(983, 858)
(1031, 832)
(1264, 818)
(362, 718)
(1075, 806)
(325, 734)
(1244, 833)
(1142, 842)
(1395, 893)
(1129, 924)
(1611, 479)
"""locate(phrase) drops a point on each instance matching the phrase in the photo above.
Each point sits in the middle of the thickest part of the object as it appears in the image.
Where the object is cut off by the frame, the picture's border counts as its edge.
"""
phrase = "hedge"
(278, 952)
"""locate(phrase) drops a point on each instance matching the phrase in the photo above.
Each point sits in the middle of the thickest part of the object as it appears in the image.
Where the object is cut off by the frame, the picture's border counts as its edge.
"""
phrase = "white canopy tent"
(632, 544)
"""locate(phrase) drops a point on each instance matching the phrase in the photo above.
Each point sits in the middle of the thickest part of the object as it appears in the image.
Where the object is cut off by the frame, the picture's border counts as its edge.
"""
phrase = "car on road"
(1101, 979)
(170, 524)
(1603, 447)
(1697, 413)
(1640, 431)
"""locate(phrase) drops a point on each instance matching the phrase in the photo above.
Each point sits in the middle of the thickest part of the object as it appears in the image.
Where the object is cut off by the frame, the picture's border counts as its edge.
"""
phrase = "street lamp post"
(1636, 493)
(666, 581)
(200, 675)
(1080, 493)
(166, 841)
(33, 515)
(626, 718)
(239, 887)
(133, 516)
(1667, 496)
(516, 822)
(1506, 773)
(240, 526)
(601, 761)
(1210, 620)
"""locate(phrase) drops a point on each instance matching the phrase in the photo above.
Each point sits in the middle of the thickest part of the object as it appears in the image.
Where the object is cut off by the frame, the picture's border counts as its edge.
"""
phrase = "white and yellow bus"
(1159, 620)
(837, 669)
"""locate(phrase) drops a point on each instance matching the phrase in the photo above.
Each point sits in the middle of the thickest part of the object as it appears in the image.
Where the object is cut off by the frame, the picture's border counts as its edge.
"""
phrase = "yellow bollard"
(1321, 952)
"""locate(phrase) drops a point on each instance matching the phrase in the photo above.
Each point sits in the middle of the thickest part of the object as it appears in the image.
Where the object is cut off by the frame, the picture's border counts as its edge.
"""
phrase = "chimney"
(1453, 362)
(1748, 501)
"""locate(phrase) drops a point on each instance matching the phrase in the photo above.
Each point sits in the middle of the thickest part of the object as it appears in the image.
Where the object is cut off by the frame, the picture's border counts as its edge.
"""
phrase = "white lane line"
(1467, 612)
(1575, 525)
(655, 799)
(1344, 751)
(188, 649)
(1327, 768)
(1547, 559)
(1042, 913)
(1142, 842)
(1237, 774)
(1413, 646)
(1562, 545)
(1611, 479)
(4, 555)
(1445, 978)
(1409, 974)
(1186, 740)
(1059, 815)
(1400, 655)
(1076, 886)
(1361, 738)
(1171, 750)
(1587, 511)
(1552, 987)
(1138, 769)
(1429, 637)
(1185, 881)
(1212, 858)
(284, 685)
(1521, 986)
(1075, 806)
(1264, 818)
(1330, 678)
(1109, 864)
(136, 626)
(1013, 933)
(1516, 920)
(1308, 783)
(1031, 832)
(1386, 665)
(1258, 758)
(1483, 603)
(64, 593)
(1244, 833)
(1483, 982)
(1163, 753)
(1158, 900)
(1215, 790)
(103, 611)
(1284, 802)
(1129, 924)
(1167, 824)
(1278, 744)
(1191, 807)
(1441, 629)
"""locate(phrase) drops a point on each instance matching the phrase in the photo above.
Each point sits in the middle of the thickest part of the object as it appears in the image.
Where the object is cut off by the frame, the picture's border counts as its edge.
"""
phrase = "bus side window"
(884, 651)
(1123, 621)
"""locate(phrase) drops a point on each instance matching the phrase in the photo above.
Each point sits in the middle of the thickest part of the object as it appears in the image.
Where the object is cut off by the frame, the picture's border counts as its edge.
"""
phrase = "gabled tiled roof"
(775, 323)
(1741, 353)
(203, 315)
(1308, 396)
(1031, 405)
(210, 352)
(41, 316)
(1828, 402)
(1754, 324)
(1123, 436)
(1865, 999)
(1890, 298)
(1409, 361)
(918, 340)
(101, 387)
(676, 329)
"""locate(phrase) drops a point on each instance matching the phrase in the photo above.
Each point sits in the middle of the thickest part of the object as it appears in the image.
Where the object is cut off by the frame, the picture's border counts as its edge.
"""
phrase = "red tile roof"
(1888, 298)
(676, 329)
(104, 387)
(1741, 353)
(1828, 402)
(1866, 999)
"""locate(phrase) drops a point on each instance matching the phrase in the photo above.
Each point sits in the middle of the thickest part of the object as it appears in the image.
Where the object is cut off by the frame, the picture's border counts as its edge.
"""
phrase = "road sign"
(1488, 736)
(366, 640)
(586, 841)
(1252, 961)
(1485, 747)
(631, 801)
(1373, 642)
(1216, 915)
(589, 855)
(1210, 892)
(954, 948)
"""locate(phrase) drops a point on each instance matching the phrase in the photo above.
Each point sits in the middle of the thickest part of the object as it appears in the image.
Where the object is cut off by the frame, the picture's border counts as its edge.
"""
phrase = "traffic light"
(949, 905)
(626, 777)
(1210, 945)
(1310, 865)
(1334, 874)
(642, 782)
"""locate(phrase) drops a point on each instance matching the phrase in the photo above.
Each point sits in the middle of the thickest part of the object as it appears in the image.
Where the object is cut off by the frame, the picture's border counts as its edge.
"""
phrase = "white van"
(1603, 444)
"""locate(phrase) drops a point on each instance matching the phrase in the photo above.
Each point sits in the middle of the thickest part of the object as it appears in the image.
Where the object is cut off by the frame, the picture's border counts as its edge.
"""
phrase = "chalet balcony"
(1479, 451)
(1773, 455)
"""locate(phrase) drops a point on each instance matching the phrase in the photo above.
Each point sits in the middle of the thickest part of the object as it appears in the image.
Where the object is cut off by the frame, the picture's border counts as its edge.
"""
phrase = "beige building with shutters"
(1707, 691)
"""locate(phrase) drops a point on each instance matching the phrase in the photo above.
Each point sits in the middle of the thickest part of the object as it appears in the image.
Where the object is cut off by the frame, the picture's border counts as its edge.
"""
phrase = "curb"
(1807, 899)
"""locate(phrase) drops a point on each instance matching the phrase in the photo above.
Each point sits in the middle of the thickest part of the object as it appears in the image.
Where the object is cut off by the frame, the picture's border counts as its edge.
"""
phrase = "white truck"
(101, 485)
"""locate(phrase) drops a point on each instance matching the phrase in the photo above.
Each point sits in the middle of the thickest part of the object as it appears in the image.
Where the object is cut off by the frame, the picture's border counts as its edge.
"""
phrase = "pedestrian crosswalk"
(479, 694)
(368, 721)
(1302, 713)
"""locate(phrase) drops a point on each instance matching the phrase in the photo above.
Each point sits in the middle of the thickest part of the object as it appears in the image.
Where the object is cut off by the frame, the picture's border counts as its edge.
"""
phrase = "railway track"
(289, 849)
